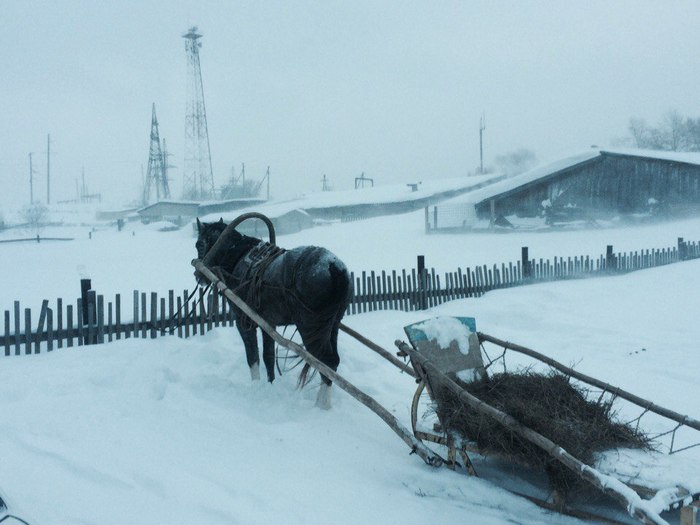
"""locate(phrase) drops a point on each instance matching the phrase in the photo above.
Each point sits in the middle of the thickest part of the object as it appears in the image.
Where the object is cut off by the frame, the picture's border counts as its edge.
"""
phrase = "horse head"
(208, 233)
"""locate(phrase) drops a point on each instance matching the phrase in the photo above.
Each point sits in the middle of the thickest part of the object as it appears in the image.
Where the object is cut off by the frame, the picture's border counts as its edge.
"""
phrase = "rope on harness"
(259, 260)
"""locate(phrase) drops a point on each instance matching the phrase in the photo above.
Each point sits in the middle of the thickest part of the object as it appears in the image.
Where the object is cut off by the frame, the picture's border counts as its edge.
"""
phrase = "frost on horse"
(307, 286)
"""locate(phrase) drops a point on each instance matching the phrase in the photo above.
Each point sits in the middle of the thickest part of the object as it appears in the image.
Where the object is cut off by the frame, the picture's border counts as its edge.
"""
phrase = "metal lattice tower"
(198, 177)
(156, 176)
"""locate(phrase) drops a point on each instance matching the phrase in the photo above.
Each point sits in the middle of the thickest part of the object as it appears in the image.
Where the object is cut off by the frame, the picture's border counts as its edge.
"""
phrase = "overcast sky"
(394, 89)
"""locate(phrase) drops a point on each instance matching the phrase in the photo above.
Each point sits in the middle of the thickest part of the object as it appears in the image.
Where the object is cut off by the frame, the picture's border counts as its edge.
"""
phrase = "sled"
(652, 487)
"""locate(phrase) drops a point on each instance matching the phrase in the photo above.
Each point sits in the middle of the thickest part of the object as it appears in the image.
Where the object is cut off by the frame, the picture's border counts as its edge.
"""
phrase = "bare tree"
(674, 133)
(35, 216)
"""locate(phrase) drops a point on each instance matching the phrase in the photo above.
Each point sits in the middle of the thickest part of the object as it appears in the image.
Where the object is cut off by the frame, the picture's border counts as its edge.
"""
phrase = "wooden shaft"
(626, 496)
(416, 445)
(643, 403)
(231, 228)
(381, 351)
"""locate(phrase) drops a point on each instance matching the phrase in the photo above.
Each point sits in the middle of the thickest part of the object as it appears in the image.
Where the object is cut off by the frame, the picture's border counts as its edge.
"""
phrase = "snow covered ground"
(173, 431)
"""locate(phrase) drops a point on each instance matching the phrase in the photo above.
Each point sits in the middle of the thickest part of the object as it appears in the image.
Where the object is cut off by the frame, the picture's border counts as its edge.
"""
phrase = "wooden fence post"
(681, 249)
(422, 284)
(610, 265)
(525, 262)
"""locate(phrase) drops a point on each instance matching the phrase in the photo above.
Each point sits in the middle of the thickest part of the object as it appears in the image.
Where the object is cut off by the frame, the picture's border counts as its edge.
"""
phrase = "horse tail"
(340, 283)
(304, 376)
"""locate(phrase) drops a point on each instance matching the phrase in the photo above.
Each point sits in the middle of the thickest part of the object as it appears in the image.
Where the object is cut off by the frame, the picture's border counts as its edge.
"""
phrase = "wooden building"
(604, 184)
(596, 184)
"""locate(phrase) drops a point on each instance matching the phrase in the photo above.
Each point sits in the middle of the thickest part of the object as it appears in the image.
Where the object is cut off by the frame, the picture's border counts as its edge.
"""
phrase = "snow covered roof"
(375, 195)
(550, 168)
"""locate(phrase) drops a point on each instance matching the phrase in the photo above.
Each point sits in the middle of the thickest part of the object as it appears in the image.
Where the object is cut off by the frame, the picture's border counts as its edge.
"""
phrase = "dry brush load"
(549, 404)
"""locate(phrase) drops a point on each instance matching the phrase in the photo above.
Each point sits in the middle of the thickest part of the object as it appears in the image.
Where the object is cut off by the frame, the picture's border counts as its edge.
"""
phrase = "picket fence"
(94, 321)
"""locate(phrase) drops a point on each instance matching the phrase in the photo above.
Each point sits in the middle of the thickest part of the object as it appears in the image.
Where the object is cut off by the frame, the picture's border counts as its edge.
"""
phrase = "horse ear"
(199, 225)
(221, 220)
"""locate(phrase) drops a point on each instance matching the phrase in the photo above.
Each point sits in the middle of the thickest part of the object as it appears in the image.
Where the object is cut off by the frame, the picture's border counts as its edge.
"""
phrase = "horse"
(307, 286)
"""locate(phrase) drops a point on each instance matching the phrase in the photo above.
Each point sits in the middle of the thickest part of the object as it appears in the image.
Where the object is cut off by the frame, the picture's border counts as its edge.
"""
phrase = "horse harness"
(249, 270)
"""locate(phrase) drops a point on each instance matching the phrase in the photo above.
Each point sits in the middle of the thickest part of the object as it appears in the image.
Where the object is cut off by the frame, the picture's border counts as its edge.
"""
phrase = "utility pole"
(325, 183)
(482, 127)
(84, 191)
(31, 181)
(268, 182)
(48, 169)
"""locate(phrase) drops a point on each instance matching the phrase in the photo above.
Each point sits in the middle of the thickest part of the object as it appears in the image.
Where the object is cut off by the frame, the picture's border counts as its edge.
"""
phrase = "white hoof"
(323, 400)
(255, 372)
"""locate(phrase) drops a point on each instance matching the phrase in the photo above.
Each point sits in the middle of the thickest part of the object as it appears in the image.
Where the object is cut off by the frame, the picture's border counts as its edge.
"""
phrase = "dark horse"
(307, 286)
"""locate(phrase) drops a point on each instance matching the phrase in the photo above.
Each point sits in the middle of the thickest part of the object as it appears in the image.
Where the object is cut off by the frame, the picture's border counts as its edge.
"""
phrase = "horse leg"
(317, 341)
(250, 342)
(269, 355)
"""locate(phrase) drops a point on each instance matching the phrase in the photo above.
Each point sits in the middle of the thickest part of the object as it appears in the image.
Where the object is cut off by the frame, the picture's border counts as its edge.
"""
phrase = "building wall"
(610, 185)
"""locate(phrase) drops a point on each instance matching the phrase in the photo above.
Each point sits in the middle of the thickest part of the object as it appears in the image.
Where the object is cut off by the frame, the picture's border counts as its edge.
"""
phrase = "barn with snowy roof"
(595, 185)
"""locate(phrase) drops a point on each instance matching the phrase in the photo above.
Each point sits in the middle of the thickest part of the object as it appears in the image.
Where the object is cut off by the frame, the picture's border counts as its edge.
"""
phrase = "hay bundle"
(548, 404)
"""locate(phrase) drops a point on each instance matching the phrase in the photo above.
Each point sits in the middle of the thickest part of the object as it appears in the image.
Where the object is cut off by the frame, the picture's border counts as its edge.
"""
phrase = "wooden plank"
(216, 309)
(110, 321)
(59, 322)
(49, 330)
(689, 515)
(224, 306)
(27, 331)
(91, 337)
(154, 315)
(100, 335)
(210, 311)
(181, 318)
(17, 321)
(202, 312)
(171, 311)
(118, 315)
(415, 298)
(69, 325)
(352, 307)
(136, 313)
(385, 292)
(394, 291)
(79, 320)
(404, 291)
(461, 292)
(7, 332)
(374, 301)
(163, 319)
(144, 315)
(365, 292)
(186, 311)
(357, 296)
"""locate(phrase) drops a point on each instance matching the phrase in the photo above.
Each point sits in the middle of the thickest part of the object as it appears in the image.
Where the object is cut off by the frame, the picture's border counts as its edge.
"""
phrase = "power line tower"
(156, 175)
(198, 176)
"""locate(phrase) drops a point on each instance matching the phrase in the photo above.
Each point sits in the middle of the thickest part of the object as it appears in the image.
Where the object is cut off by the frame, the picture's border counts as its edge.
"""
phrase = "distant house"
(292, 221)
(205, 208)
(174, 211)
(596, 184)
(285, 218)
(114, 215)
(182, 211)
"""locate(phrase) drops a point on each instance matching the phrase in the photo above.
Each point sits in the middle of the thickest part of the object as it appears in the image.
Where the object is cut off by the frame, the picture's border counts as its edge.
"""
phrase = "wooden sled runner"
(652, 487)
